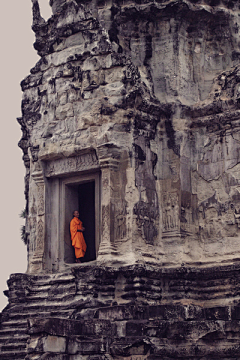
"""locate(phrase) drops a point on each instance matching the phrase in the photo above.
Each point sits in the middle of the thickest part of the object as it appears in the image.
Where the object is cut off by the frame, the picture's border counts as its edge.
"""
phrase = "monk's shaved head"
(75, 213)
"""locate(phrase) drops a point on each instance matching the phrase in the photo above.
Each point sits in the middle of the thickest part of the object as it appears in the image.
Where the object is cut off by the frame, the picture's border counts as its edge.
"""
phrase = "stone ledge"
(109, 325)
(180, 339)
(218, 285)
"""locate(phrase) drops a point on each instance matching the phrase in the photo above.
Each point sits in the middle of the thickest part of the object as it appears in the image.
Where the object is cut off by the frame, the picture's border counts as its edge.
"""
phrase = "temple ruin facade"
(131, 116)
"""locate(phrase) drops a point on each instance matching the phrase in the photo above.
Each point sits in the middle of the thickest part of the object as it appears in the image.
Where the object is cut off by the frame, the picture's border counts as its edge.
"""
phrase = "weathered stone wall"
(151, 90)
(143, 99)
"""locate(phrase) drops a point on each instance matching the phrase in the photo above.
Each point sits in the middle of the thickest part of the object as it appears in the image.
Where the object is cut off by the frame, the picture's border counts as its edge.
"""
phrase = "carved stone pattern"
(237, 216)
(105, 180)
(41, 202)
(33, 209)
(40, 235)
(174, 168)
(72, 164)
(186, 217)
(106, 224)
(170, 212)
(120, 228)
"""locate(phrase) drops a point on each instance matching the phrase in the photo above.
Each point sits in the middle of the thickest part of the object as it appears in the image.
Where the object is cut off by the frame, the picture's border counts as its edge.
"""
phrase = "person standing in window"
(76, 230)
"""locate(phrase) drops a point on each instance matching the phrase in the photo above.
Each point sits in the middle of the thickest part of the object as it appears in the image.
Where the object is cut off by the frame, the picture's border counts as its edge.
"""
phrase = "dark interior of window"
(86, 206)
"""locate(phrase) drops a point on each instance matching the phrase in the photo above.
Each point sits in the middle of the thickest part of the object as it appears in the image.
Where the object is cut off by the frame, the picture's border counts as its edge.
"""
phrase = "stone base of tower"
(137, 312)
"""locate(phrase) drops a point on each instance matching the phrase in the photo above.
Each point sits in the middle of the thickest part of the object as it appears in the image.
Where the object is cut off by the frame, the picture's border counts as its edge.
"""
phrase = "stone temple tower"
(132, 116)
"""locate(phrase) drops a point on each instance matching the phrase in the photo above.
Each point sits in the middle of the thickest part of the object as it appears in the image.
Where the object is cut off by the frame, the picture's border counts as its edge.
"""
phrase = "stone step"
(53, 289)
(13, 331)
(41, 288)
(46, 288)
(54, 279)
(16, 338)
(51, 297)
(50, 306)
(28, 315)
(41, 311)
(14, 346)
(13, 355)
(16, 323)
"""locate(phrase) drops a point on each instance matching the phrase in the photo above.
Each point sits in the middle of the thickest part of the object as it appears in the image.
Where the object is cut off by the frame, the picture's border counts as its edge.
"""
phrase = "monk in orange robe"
(76, 230)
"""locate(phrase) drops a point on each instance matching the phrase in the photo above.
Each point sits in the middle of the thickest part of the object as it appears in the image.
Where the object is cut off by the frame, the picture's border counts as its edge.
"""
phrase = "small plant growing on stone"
(23, 229)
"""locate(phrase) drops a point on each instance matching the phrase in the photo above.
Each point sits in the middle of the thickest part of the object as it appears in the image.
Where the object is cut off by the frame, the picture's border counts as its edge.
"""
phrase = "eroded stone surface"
(151, 92)
(132, 312)
(143, 99)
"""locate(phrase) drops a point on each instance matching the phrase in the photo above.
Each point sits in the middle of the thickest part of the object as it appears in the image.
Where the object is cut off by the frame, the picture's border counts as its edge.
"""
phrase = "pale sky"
(17, 57)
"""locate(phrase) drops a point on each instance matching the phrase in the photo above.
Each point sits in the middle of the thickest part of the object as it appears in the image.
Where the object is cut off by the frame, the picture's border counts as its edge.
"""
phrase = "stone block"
(55, 344)
(134, 328)
(86, 346)
(235, 312)
(218, 313)
(49, 356)
(121, 312)
(194, 312)
(167, 312)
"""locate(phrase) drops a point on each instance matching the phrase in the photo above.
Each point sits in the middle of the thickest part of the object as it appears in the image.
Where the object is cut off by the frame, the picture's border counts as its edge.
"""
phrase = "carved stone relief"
(40, 200)
(147, 218)
(171, 212)
(237, 216)
(40, 235)
(120, 227)
(174, 170)
(72, 164)
(38, 217)
(90, 99)
(105, 226)
(186, 218)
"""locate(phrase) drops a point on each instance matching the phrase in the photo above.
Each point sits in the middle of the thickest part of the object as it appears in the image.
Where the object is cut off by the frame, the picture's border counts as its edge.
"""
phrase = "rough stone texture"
(137, 312)
(148, 95)
(142, 98)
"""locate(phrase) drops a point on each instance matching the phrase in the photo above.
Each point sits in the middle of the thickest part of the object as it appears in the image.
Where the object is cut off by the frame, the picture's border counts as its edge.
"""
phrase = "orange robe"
(77, 238)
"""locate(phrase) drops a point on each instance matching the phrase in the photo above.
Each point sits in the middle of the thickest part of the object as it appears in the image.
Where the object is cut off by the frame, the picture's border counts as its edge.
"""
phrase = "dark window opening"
(80, 197)
(86, 208)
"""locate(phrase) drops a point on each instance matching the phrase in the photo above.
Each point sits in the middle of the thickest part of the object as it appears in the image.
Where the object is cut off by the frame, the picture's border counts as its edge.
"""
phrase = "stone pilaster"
(36, 261)
(109, 158)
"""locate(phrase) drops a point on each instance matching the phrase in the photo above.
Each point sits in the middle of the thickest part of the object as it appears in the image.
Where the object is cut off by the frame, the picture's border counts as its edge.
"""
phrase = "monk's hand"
(83, 229)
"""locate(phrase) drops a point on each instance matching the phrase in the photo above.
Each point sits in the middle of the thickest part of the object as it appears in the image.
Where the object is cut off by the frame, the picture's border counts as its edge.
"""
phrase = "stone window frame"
(50, 176)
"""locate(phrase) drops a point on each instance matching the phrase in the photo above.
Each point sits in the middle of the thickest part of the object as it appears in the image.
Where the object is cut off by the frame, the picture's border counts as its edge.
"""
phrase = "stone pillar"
(38, 196)
(109, 158)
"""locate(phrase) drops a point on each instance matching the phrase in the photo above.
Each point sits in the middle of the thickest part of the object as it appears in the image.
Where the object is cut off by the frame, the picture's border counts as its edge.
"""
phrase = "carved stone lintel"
(87, 161)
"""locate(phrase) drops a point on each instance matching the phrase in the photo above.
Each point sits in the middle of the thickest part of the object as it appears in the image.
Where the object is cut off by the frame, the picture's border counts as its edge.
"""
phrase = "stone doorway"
(82, 194)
